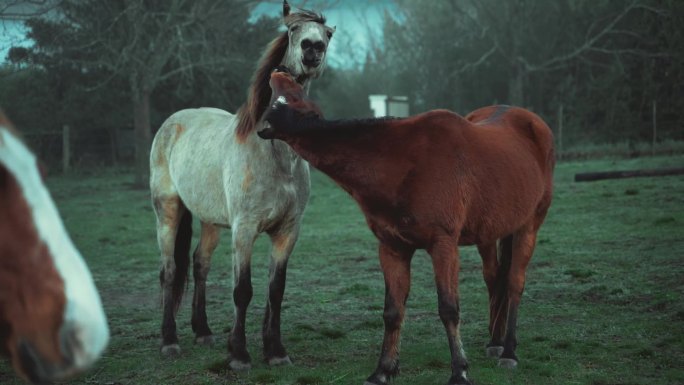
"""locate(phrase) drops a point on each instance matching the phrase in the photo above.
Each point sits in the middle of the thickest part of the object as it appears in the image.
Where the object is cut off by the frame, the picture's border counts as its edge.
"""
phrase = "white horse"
(52, 324)
(209, 163)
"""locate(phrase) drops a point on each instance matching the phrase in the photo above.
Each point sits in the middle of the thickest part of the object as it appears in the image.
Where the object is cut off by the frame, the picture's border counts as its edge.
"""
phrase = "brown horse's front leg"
(446, 263)
(396, 266)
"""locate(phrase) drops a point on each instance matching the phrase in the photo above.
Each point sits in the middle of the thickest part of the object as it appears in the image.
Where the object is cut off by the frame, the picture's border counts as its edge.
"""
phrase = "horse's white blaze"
(83, 314)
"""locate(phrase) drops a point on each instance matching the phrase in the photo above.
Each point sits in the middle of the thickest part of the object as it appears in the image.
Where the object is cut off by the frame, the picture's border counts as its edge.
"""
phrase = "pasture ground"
(603, 303)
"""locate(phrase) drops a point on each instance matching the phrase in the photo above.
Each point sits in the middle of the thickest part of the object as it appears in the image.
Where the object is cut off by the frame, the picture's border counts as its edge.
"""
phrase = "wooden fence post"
(653, 148)
(560, 131)
(66, 148)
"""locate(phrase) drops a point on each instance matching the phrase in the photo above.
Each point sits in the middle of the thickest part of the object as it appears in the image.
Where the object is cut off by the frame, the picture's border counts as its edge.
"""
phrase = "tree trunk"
(141, 125)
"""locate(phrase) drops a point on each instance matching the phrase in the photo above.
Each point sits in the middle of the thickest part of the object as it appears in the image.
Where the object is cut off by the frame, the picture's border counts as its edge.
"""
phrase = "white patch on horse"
(281, 100)
(83, 313)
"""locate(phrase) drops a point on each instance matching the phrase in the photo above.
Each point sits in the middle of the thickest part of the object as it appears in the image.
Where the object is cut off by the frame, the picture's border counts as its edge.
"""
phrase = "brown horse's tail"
(181, 256)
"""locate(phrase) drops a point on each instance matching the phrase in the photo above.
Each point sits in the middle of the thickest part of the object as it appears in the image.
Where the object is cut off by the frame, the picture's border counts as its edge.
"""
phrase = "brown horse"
(435, 181)
(52, 324)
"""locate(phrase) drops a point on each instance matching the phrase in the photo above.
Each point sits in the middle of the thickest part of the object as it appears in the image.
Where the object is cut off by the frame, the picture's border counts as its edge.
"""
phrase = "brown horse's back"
(527, 125)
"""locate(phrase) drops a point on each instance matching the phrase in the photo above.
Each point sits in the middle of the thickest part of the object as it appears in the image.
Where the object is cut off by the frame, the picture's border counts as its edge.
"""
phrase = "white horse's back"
(188, 158)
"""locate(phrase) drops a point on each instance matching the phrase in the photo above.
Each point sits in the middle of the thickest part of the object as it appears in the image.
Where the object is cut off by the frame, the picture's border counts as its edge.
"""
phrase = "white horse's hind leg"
(283, 243)
(173, 234)
(243, 244)
(209, 238)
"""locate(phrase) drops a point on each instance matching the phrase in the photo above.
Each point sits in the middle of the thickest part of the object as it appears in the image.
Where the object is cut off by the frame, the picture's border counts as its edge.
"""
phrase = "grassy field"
(603, 303)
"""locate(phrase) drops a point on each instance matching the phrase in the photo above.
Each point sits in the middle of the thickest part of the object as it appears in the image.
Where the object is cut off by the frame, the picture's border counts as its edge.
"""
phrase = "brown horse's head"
(288, 105)
(52, 324)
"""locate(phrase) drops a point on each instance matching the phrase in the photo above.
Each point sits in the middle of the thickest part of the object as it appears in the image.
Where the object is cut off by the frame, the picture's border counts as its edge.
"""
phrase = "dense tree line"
(105, 65)
(99, 66)
(604, 61)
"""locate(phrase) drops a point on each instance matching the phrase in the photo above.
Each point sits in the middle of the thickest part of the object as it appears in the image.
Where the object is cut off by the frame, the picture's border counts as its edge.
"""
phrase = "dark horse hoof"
(279, 361)
(459, 380)
(172, 350)
(377, 379)
(239, 366)
(508, 363)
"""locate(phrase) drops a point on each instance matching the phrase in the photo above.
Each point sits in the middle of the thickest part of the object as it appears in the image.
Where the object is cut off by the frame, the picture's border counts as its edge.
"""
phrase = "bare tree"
(528, 51)
(146, 43)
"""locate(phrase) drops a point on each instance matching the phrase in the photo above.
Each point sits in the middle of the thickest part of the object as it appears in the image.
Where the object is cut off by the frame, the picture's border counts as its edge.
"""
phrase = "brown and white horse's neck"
(83, 314)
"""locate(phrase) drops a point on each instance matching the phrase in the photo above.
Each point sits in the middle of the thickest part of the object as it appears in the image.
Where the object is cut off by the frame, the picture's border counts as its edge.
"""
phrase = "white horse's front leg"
(243, 244)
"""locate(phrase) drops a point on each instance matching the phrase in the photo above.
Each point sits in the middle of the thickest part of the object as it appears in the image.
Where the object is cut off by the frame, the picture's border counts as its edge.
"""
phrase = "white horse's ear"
(329, 31)
(286, 8)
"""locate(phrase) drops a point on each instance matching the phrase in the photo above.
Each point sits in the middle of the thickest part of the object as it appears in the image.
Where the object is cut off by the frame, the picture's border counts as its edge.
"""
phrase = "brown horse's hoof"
(494, 351)
(508, 363)
(205, 340)
(172, 350)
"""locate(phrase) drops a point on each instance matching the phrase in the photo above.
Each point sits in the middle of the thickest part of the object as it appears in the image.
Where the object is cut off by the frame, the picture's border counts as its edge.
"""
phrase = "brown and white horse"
(210, 164)
(52, 324)
(435, 181)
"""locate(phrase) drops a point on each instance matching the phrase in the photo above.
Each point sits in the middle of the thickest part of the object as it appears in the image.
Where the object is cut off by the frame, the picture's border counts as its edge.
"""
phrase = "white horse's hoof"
(494, 351)
(508, 363)
(239, 366)
(279, 361)
(172, 350)
(205, 340)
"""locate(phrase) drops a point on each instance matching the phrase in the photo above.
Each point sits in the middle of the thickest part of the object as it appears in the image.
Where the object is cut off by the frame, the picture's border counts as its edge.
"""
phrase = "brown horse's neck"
(345, 150)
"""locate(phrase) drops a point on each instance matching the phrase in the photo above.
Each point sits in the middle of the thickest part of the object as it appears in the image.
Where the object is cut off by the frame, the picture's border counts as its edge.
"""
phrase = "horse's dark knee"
(200, 271)
(242, 292)
(276, 287)
(392, 317)
(392, 314)
(449, 310)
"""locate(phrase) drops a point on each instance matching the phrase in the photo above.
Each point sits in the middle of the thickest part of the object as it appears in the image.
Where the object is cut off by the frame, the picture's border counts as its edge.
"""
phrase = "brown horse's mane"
(259, 93)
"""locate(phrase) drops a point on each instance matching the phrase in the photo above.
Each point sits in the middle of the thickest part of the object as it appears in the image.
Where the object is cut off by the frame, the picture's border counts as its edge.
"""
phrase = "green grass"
(603, 301)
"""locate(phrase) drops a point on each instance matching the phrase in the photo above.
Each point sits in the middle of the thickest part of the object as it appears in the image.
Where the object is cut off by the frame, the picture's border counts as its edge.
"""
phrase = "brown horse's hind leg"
(446, 264)
(173, 235)
(283, 242)
(396, 266)
(209, 238)
(243, 244)
(495, 267)
(522, 248)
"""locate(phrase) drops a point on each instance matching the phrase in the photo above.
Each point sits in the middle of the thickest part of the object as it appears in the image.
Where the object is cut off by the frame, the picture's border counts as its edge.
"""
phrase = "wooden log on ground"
(592, 176)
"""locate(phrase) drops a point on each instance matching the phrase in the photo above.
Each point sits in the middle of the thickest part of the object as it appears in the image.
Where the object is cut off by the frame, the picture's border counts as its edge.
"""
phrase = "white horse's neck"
(285, 158)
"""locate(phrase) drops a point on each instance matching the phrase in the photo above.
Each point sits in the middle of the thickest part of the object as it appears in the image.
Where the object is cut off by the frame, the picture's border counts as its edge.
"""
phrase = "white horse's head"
(308, 42)
(301, 49)
(52, 324)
